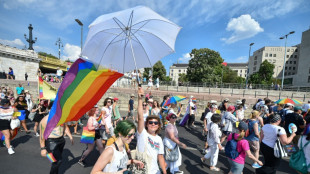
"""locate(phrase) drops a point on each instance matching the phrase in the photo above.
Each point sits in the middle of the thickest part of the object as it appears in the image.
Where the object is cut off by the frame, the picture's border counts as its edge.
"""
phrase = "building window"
(255, 58)
(274, 61)
(296, 56)
(274, 55)
(289, 73)
(293, 73)
(291, 62)
(289, 68)
(240, 71)
(270, 55)
(179, 70)
(295, 62)
(286, 62)
(288, 50)
(266, 54)
(293, 68)
(296, 50)
(254, 69)
(285, 74)
(172, 71)
(309, 70)
(286, 68)
(291, 56)
(255, 63)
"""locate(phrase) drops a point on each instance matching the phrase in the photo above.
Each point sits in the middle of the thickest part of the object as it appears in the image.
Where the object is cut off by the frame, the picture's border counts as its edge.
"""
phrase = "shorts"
(5, 125)
(97, 134)
(22, 115)
(130, 113)
(58, 77)
(106, 136)
(254, 145)
(235, 168)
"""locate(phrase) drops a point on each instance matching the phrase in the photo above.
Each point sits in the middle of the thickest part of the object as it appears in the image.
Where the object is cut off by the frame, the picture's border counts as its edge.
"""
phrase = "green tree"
(158, 71)
(47, 55)
(264, 74)
(205, 66)
(231, 76)
(182, 78)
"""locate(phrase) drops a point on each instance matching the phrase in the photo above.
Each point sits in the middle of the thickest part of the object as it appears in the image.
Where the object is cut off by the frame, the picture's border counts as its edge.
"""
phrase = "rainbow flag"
(51, 157)
(99, 119)
(40, 87)
(88, 137)
(81, 89)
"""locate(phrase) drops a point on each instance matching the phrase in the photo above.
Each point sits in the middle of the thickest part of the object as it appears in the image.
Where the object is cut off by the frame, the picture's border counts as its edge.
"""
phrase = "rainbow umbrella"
(288, 100)
(174, 99)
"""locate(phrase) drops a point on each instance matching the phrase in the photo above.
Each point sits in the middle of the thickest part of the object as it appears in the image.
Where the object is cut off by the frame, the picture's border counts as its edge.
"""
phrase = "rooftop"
(180, 64)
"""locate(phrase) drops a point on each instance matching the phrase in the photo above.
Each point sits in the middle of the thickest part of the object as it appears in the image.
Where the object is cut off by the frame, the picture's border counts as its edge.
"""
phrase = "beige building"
(275, 55)
(176, 70)
(21, 61)
(240, 68)
(303, 73)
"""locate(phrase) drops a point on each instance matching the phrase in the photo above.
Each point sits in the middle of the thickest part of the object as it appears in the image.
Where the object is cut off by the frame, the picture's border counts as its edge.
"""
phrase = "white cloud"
(71, 52)
(242, 27)
(13, 43)
(185, 58)
(242, 59)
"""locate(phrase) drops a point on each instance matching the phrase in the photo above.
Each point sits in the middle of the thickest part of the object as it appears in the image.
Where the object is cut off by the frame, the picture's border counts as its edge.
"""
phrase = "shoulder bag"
(279, 151)
(171, 155)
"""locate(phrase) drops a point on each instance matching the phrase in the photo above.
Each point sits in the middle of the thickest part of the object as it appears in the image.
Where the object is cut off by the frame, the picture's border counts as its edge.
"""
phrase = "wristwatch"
(42, 148)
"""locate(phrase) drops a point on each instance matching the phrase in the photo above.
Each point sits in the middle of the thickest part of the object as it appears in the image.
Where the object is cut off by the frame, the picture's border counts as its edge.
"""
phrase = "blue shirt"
(19, 90)
(252, 136)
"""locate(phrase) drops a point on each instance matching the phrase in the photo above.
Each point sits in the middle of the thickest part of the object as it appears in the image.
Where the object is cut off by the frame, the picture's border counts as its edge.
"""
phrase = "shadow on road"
(20, 140)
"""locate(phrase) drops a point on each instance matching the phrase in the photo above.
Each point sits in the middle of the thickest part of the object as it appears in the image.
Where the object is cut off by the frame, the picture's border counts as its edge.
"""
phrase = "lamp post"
(81, 24)
(59, 43)
(285, 36)
(247, 72)
(30, 40)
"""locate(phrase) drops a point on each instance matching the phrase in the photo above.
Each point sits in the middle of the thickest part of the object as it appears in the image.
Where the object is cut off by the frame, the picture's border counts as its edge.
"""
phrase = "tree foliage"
(230, 76)
(205, 66)
(182, 78)
(158, 71)
(47, 55)
(264, 74)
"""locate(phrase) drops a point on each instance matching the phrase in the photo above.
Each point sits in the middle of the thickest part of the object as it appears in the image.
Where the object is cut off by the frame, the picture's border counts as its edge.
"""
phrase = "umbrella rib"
(126, 42)
(156, 20)
(143, 49)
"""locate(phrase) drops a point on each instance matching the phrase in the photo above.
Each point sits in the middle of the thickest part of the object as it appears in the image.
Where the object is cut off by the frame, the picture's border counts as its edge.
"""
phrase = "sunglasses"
(153, 122)
(108, 101)
(173, 117)
(130, 135)
(144, 104)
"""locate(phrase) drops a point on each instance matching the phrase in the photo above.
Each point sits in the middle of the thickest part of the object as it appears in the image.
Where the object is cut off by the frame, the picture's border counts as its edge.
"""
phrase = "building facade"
(176, 70)
(240, 68)
(275, 55)
(21, 61)
(302, 77)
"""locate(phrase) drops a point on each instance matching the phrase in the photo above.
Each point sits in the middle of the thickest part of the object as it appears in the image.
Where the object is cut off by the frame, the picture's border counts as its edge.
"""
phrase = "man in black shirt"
(298, 120)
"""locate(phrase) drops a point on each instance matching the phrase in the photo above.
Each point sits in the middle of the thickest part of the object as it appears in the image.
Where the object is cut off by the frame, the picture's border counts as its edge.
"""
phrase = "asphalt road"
(27, 159)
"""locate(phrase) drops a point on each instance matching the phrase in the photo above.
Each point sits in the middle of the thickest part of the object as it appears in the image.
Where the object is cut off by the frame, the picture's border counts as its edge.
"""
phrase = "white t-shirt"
(191, 104)
(270, 134)
(305, 107)
(306, 149)
(59, 72)
(214, 134)
(154, 147)
(208, 117)
(228, 119)
(264, 110)
(119, 160)
(259, 104)
(107, 116)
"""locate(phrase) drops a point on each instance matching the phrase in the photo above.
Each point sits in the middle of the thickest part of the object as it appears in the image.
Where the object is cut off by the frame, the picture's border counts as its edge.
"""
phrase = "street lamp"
(59, 43)
(292, 32)
(247, 73)
(81, 24)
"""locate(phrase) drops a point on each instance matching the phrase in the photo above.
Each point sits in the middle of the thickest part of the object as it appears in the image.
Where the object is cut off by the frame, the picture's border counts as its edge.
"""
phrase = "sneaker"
(194, 126)
(179, 172)
(37, 134)
(10, 151)
(81, 163)
(256, 166)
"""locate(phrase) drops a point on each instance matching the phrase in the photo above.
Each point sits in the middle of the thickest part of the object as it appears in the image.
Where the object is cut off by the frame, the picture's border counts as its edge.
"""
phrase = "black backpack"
(202, 116)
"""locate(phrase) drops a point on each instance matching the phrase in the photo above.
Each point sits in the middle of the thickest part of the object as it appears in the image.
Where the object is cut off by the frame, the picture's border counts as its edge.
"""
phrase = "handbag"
(298, 159)
(278, 150)
(171, 155)
(88, 136)
(143, 157)
(15, 123)
(31, 115)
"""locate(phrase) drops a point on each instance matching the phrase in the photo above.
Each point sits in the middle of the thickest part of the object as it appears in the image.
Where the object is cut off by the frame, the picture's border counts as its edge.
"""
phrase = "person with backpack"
(303, 143)
(268, 137)
(228, 120)
(237, 148)
(214, 134)
(253, 137)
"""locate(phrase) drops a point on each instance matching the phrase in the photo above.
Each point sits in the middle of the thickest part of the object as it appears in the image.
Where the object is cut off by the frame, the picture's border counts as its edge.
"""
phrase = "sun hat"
(231, 108)
(243, 126)
(132, 95)
(213, 101)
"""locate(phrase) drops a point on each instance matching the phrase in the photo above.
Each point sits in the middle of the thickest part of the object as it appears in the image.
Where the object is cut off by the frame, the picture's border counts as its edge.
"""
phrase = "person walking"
(237, 164)
(130, 107)
(106, 113)
(254, 135)
(114, 158)
(6, 115)
(214, 134)
(92, 124)
(228, 121)
(192, 113)
(115, 112)
(268, 136)
(21, 105)
(148, 140)
(41, 112)
(170, 141)
(59, 73)
(150, 83)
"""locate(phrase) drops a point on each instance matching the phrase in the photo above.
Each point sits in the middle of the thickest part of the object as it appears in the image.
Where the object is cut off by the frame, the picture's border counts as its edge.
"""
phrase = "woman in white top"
(304, 139)
(228, 120)
(268, 139)
(6, 114)
(214, 142)
(150, 84)
(145, 110)
(155, 108)
(148, 141)
(171, 140)
(106, 114)
(114, 158)
(92, 124)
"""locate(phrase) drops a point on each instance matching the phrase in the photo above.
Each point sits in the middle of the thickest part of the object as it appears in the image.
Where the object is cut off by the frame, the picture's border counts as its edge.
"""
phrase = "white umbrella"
(130, 39)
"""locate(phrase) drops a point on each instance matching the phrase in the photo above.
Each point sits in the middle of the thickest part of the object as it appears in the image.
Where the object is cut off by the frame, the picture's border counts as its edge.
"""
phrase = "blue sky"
(225, 26)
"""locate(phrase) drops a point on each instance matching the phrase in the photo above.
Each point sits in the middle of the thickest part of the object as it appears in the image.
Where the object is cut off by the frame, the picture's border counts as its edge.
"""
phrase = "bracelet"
(43, 148)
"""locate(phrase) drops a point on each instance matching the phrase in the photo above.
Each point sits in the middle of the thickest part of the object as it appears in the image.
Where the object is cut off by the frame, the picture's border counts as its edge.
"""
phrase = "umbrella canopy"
(174, 99)
(288, 100)
(130, 39)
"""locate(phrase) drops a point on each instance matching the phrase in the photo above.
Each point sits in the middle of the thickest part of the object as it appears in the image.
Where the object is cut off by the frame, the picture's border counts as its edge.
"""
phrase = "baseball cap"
(239, 102)
(297, 108)
(213, 101)
(231, 108)
(169, 116)
(243, 126)
(26, 90)
(115, 98)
